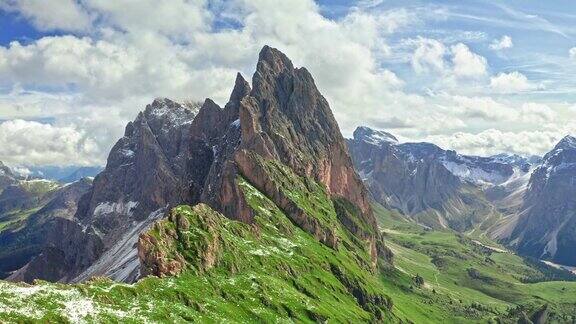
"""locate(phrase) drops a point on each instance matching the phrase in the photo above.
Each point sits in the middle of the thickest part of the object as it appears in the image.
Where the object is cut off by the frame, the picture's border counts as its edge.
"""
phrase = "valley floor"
(468, 280)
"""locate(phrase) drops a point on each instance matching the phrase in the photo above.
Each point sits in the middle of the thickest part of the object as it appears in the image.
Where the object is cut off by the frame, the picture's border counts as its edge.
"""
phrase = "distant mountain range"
(64, 174)
(527, 202)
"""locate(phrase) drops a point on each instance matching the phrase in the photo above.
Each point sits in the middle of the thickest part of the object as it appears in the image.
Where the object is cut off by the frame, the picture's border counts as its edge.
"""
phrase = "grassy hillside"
(466, 280)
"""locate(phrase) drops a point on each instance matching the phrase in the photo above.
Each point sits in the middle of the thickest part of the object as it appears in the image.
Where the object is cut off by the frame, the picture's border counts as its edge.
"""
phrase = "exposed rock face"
(437, 188)
(148, 169)
(286, 118)
(546, 223)
(282, 118)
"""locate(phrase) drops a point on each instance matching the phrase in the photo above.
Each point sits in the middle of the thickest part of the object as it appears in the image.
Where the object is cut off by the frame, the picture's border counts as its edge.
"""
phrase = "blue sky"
(479, 77)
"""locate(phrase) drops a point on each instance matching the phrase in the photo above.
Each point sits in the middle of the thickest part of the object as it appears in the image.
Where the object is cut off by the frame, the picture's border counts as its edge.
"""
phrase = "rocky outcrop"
(286, 118)
(283, 118)
(150, 168)
(546, 224)
(171, 245)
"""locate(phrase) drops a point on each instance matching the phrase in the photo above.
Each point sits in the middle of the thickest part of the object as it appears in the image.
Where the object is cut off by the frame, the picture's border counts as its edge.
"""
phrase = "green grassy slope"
(464, 280)
(268, 271)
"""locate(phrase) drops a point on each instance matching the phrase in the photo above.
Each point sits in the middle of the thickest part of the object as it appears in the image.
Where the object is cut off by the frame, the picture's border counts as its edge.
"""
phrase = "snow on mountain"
(375, 137)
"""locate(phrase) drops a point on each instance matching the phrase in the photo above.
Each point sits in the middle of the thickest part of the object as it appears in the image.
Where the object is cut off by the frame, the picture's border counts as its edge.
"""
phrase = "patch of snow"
(236, 123)
(105, 208)
(560, 266)
(127, 153)
(474, 174)
(495, 249)
(77, 309)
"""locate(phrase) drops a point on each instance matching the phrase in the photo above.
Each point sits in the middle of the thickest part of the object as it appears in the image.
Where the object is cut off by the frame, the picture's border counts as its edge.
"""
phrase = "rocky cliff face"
(545, 225)
(148, 170)
(282, 124)
(286, 119)
(435, 187)
(172, 154)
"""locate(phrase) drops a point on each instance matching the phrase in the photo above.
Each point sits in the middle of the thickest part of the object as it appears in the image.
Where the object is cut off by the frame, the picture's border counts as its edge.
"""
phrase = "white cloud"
(30, 143)
(65, 15)
(502, 43)
(428, 55)
(484, 108)
(467, 63)
(457, 61)
(512, 82)
(494, 141)
(180, 18)
(132, 51)
(572, 53)
(537, 113)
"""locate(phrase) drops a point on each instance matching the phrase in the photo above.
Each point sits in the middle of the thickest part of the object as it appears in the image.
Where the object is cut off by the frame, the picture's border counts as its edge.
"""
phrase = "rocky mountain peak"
(273, 61)
(241, 88)
(544, 229)
(282, 128)
(166, 112)
(564, 153)
(7, 176)
(568, 142)
(372, 136)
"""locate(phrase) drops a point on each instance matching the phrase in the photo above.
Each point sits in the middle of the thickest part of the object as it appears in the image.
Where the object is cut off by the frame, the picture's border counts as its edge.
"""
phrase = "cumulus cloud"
(489, 111)
(176, 18)
(512, 82)
(537, 113)
(31, 143)
(457, 61)
(494, 141)
(428, 55)
(502, 43)
(67, 15)
(467, 63)
(125, 53)
(484, 108)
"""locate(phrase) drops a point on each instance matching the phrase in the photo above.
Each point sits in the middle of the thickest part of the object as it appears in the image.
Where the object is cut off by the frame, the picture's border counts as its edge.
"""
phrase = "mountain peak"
(568, 142)
(272, 60)
(241, 88)
(372, 136)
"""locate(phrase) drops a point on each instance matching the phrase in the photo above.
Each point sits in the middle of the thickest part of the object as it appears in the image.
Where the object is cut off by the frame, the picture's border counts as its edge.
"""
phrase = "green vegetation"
(35, 192)
(274, 271)
(465, 281)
